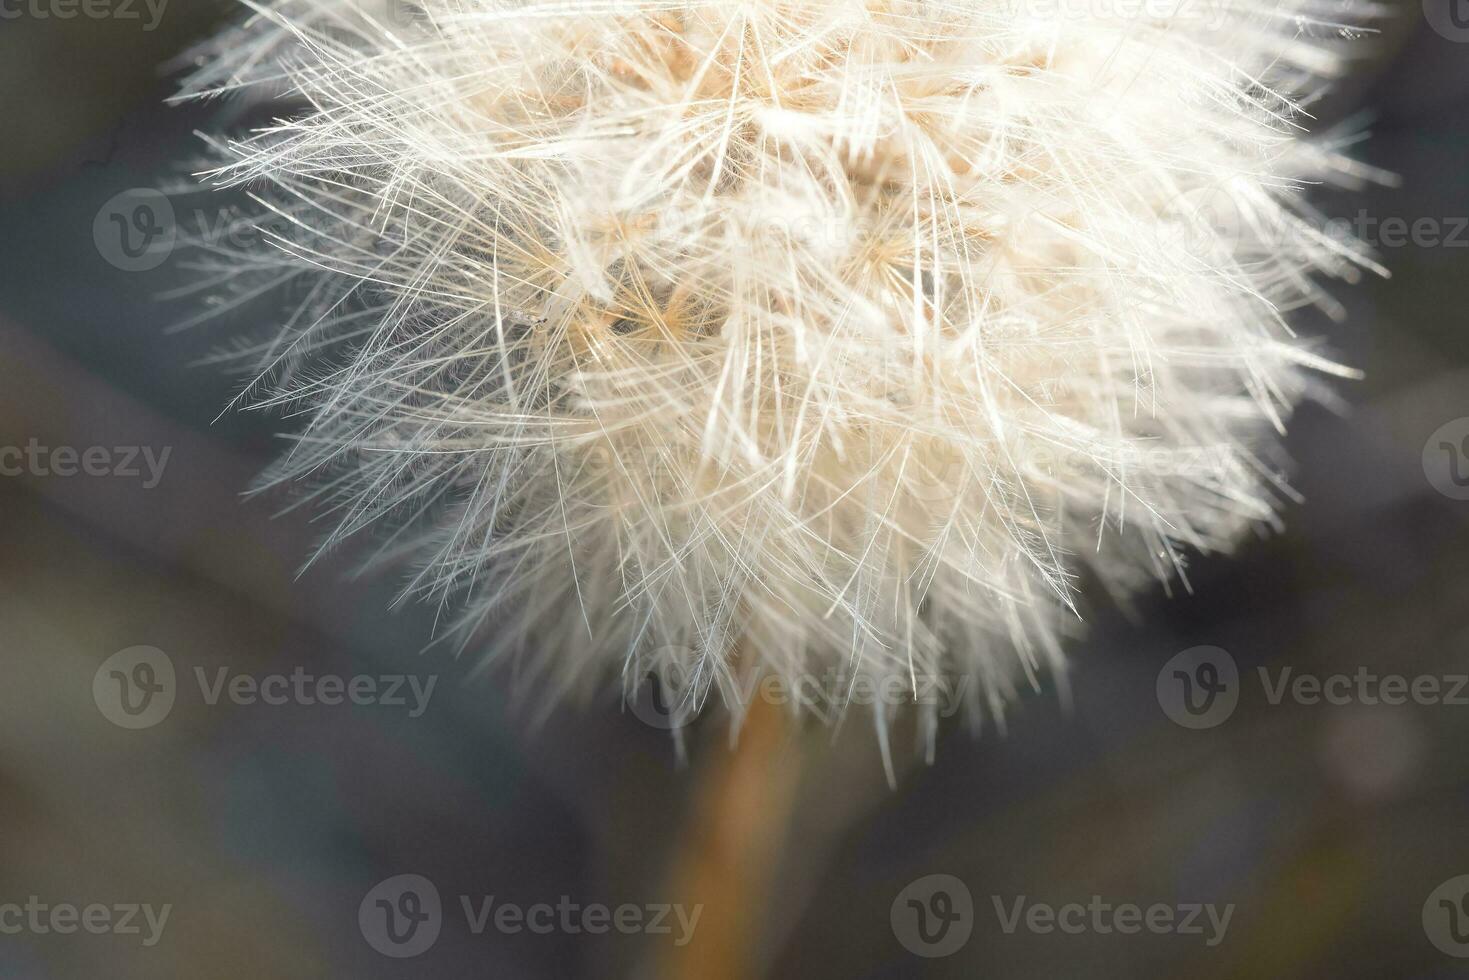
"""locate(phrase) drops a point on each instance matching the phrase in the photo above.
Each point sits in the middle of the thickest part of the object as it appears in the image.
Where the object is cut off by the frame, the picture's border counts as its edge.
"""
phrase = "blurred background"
(1332, 832)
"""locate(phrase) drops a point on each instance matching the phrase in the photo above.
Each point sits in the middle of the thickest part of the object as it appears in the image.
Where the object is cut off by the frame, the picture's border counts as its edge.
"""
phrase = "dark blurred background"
(1330, 829)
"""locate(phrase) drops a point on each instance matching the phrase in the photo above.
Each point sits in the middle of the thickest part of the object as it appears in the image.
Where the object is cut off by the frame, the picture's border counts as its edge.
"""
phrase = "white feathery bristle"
(725, 339)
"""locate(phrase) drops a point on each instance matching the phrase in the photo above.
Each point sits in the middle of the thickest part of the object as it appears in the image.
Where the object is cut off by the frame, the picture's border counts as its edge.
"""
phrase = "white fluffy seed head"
(828, 339)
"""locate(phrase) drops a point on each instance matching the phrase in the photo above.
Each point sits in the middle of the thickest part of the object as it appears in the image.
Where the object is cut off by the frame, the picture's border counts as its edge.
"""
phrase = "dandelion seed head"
(719, 340)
